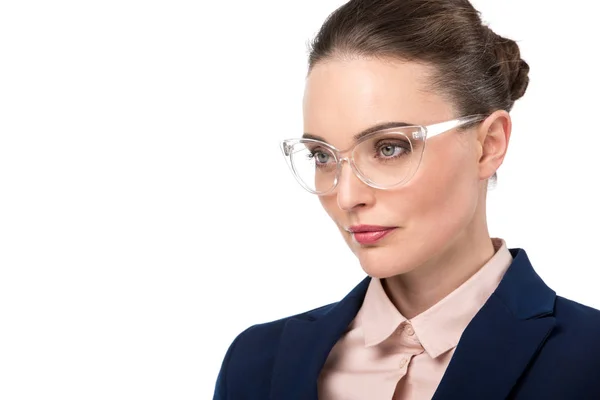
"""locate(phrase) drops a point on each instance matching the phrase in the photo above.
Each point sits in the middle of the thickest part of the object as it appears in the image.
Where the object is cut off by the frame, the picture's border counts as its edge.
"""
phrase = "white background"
(147, 216)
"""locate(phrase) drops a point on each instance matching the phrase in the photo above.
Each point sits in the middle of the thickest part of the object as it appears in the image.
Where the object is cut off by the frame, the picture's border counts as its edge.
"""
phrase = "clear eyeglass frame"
(419, 133)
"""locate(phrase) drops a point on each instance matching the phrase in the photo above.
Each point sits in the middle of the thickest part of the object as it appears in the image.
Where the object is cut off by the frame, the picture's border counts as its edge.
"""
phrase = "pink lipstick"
(369, 234)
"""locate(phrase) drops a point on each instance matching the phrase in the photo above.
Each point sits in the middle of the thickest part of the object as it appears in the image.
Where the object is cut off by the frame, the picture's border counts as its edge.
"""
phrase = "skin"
(442, 237)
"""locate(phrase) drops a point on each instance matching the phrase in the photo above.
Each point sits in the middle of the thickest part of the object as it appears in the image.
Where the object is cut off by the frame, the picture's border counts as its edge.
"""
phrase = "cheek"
(445, 192)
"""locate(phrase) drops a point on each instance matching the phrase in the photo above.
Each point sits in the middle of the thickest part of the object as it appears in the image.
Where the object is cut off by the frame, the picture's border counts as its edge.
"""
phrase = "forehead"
(343, 97)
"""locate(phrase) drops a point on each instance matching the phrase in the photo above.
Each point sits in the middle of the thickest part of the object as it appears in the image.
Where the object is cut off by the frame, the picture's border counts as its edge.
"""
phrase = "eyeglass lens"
(385, 159)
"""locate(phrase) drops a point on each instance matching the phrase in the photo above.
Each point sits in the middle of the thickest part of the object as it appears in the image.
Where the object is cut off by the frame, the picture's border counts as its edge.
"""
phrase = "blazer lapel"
(305, 344)
(503, 338)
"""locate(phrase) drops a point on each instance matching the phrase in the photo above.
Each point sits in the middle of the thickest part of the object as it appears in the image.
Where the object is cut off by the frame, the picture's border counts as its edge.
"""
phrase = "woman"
(406, 114)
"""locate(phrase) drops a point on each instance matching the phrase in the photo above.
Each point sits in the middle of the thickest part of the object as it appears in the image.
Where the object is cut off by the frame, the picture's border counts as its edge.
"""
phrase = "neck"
(415, 292)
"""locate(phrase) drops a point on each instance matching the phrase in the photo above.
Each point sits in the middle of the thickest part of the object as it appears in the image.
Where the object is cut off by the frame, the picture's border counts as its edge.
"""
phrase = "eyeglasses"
(384, 159)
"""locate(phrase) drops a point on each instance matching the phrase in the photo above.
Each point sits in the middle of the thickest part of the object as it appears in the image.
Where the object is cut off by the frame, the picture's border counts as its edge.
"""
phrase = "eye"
(322, 157)
(389, 150)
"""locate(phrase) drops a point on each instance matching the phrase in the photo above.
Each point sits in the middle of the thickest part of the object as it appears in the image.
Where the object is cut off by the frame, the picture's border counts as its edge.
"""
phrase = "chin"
(379, 263)
(379, 273)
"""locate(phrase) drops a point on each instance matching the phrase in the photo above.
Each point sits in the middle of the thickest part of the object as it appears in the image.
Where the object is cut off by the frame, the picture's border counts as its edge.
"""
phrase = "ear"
(493, 137)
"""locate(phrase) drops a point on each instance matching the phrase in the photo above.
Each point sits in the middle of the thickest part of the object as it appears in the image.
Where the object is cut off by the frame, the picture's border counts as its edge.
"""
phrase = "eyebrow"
(365, 132)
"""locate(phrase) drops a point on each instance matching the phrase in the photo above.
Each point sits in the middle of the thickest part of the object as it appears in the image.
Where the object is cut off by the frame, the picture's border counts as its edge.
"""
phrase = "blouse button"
(410, 331)
(403, 362)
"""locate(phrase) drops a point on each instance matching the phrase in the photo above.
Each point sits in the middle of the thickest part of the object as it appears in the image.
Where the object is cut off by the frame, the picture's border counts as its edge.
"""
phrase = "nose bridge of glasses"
(342, 159)
(350, 161)
(352, 171)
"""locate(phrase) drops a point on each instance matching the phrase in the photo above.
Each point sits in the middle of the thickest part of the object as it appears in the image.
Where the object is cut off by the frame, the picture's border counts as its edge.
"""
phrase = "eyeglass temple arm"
(436, 129)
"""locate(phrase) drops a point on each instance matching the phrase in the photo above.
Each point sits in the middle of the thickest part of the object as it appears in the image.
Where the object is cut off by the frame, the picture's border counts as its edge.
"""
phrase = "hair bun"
(511, 66)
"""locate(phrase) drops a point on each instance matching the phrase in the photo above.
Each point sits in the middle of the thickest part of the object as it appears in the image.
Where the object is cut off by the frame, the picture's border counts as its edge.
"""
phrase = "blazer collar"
(493, 352)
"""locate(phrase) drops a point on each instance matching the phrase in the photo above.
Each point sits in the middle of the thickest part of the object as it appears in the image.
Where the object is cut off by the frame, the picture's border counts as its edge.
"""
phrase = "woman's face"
(437, 207)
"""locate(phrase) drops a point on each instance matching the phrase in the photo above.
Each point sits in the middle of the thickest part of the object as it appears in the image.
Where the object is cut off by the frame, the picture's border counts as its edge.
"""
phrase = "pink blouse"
(383, 355)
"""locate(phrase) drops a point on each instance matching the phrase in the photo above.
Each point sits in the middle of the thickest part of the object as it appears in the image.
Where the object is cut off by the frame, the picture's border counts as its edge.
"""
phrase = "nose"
(352, 193)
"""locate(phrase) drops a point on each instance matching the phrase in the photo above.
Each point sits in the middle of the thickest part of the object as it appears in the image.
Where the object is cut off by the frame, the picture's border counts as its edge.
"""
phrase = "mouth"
(369, 234)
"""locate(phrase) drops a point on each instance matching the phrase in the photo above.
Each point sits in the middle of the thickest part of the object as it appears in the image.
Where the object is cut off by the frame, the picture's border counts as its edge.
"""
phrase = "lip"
(368, 228)
(369, 234)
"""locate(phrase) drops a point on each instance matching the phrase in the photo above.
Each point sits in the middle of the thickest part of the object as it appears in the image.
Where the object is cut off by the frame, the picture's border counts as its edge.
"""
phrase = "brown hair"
(478, 70)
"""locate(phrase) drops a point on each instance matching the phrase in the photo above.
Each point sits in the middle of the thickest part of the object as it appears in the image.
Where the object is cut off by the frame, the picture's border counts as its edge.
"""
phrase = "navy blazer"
(525, 343)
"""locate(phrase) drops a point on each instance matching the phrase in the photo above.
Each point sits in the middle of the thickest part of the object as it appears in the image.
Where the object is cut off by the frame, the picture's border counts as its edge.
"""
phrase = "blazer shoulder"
(566, 310)
(266, 333)
(578, 324)
(252, 354)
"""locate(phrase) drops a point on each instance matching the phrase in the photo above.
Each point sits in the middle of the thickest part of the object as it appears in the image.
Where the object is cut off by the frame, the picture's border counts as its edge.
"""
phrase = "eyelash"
(313, 152)
(377, 148)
